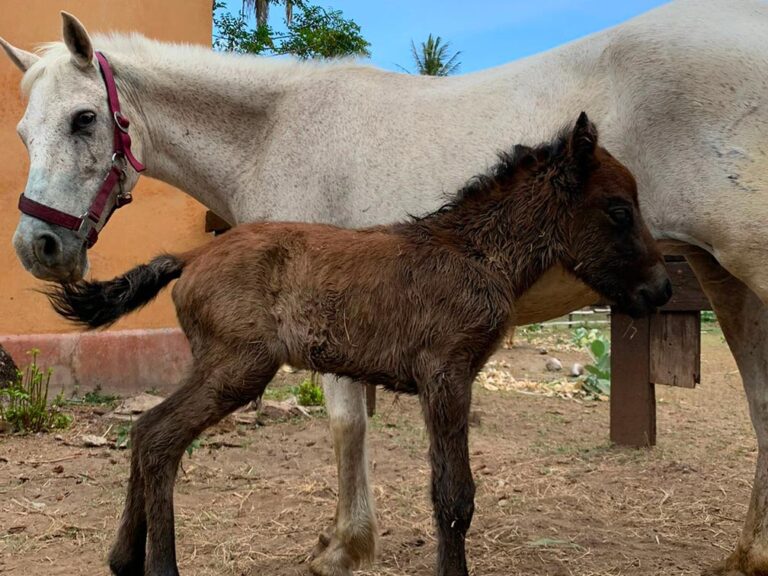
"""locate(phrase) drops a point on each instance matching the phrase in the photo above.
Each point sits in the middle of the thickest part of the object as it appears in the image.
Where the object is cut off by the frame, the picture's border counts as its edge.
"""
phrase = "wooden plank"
(686, 293)
(675, 353)
(370, 399)
(215, 223)
(633, 398)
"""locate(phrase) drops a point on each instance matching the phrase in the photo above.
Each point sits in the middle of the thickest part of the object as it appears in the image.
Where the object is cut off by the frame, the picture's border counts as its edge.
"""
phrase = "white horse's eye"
(83, 120)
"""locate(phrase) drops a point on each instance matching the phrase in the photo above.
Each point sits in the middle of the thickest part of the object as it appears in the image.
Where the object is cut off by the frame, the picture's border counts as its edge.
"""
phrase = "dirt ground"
(554, 498)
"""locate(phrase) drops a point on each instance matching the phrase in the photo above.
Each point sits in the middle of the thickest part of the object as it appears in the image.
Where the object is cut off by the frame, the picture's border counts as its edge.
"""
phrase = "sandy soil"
(554, 498)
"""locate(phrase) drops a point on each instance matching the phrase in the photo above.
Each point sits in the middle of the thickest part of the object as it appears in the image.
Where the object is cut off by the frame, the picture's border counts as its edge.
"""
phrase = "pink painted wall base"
(123, 362)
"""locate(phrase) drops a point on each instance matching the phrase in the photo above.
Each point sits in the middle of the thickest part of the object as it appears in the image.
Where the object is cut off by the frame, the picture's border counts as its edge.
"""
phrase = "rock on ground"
(554, 365)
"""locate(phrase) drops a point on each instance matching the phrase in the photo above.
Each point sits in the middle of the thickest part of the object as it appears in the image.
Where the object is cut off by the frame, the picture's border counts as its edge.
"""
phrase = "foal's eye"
(621, 215)
(83, 120)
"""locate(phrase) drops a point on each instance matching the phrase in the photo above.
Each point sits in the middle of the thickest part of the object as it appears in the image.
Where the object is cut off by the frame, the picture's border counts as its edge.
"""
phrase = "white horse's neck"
(202, 118)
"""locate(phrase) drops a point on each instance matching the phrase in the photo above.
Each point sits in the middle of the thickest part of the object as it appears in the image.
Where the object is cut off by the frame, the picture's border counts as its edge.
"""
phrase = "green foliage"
(708, 316)
(123, 439)
(432, 58)
(24, 403)
(530, 331)
(97, 398)
(598, 378)
(583, 337)
(193, 446)
(310, 393)
(311, 32)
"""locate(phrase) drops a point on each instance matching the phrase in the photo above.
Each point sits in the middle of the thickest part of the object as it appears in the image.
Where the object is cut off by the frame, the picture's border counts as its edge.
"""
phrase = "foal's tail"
(96, 304)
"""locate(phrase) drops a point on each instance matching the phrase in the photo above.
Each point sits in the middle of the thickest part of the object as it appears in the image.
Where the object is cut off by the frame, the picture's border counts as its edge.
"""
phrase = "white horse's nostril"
(47, 249)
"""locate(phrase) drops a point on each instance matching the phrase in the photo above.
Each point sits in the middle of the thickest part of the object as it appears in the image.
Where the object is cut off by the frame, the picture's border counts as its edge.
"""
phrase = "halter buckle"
(121, 121)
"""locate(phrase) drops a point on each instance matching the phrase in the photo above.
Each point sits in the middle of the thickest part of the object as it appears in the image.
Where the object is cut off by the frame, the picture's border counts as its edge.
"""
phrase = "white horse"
(679, 94)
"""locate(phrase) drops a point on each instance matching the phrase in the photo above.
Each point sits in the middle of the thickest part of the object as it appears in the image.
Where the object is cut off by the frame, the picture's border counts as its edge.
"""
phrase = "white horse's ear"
(21, 58)
(77, 40)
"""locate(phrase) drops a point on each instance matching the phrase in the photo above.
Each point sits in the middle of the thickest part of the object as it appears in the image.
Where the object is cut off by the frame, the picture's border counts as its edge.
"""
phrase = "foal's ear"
(21, 58)
(77, 40)
(583, 141)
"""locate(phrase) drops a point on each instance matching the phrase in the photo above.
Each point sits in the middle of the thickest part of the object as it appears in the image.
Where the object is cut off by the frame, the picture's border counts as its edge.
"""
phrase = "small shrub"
(123, 439)
(583, 336)
(193, 446)
(97, 398)
(310, 393)
(708, 317)
(598, 379)
(530, 331)
(24, 403)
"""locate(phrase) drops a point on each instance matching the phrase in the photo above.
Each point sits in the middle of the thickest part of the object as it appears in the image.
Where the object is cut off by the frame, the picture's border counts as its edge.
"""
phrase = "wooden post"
(633, 398)
(370, 399)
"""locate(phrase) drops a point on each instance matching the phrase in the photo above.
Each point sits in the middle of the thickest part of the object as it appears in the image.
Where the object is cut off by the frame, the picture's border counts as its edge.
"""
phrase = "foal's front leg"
(445, 401)
(127, 555)
(164, 433)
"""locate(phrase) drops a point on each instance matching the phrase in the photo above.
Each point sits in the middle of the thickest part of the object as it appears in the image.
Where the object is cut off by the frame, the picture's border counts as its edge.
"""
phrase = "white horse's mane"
(139, 48)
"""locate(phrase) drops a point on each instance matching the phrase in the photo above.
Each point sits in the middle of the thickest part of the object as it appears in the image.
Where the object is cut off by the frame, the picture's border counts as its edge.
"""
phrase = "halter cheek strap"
(111, 195)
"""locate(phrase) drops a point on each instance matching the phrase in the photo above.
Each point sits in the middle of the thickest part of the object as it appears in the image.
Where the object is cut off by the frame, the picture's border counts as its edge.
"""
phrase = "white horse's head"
(69, 133)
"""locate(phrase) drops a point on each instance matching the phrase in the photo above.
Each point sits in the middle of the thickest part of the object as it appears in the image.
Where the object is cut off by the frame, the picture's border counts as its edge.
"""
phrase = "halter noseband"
(111, 195)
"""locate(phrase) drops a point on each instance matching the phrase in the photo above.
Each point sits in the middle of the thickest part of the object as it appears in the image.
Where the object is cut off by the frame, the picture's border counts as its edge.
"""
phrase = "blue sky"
(487, 32)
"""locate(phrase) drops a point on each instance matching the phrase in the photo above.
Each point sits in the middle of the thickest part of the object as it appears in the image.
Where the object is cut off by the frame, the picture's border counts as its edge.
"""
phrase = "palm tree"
(433, 58)
(261, 7)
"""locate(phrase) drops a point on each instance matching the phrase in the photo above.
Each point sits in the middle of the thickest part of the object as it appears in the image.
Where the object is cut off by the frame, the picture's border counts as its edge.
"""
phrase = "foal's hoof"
(126, 568)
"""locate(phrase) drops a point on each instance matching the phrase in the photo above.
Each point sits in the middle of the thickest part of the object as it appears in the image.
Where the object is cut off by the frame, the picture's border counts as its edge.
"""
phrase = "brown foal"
(415, 307)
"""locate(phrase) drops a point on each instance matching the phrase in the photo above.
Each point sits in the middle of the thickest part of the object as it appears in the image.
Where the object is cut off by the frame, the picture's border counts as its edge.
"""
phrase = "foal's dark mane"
(500, 177)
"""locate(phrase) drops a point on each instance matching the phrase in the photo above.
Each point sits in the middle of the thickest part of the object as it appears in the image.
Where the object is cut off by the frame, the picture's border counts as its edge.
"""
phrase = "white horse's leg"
(352, 541)
(744, 319)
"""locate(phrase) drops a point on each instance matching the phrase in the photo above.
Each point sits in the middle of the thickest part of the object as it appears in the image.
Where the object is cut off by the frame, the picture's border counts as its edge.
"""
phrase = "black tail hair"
(97, 304)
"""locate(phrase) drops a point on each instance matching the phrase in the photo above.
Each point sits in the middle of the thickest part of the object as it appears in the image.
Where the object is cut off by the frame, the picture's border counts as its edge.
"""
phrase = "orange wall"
(160, 219)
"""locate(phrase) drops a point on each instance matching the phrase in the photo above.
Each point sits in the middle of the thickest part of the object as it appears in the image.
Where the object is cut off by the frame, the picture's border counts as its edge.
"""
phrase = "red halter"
(111, 195)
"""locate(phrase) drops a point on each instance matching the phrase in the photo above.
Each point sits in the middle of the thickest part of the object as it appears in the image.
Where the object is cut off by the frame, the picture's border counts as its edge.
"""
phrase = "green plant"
(583, 336)
(708, 316)
(193, 446)
(310, 393)
(433, 59)
(598, 379)
(531, 330)
(308, 31)
(97, 398)
(24, 403)
(123, 439)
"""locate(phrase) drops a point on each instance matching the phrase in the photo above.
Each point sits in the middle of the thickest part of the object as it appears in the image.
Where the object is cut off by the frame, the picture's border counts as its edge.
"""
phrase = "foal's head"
(605, 241)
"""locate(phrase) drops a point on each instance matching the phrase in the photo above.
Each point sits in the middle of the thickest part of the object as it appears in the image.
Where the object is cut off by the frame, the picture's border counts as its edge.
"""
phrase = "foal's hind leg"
(164, 433)
(352, 541)
(445, 400)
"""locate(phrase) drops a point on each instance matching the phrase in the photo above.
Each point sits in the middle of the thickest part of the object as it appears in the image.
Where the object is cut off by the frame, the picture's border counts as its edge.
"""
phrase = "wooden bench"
(662, 349)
